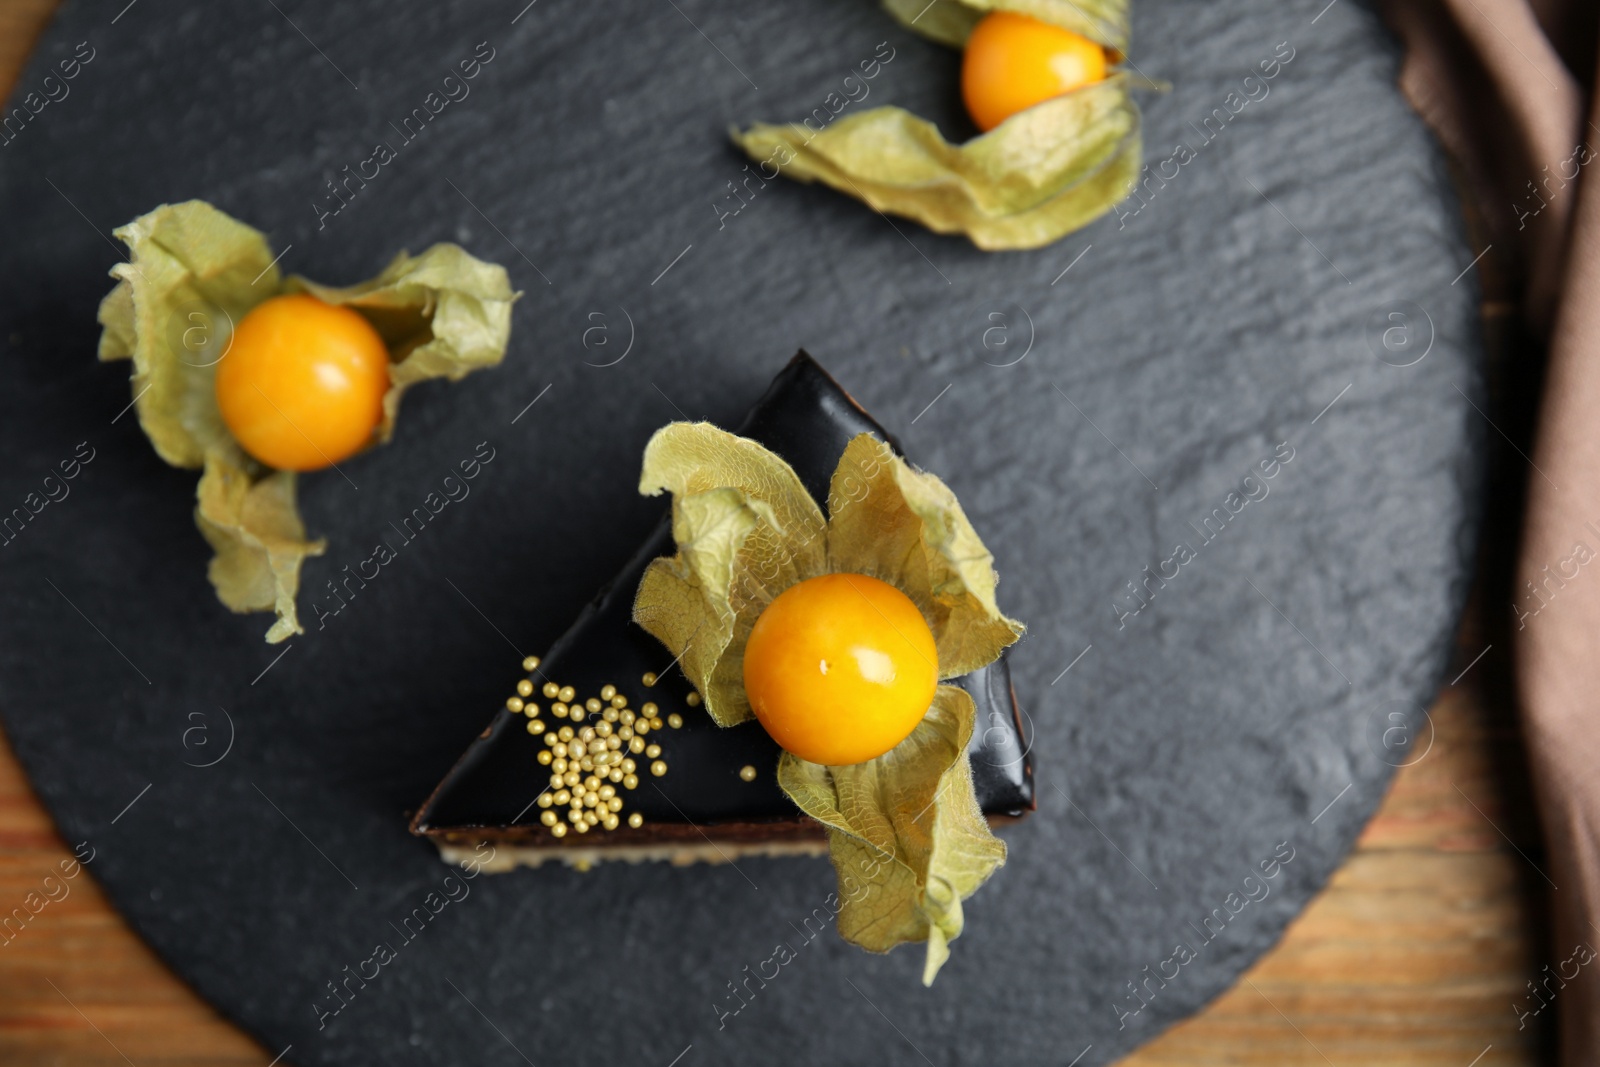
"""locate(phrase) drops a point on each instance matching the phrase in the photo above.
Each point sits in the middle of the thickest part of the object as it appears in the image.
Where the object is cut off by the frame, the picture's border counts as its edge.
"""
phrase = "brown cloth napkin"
(1503, 84)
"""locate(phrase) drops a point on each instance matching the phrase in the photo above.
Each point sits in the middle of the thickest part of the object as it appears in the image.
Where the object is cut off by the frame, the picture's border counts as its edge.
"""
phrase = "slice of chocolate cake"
(710, 793)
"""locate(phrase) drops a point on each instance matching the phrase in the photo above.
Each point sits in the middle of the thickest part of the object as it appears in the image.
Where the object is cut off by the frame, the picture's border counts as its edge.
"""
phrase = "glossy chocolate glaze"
(807, 418)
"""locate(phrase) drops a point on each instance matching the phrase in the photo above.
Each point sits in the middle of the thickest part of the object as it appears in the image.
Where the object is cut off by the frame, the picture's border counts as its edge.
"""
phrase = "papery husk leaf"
(193, 272)
(686, 601)
(905, 527)
(746, 530)
(443, 314)
(951, 21)
(948, 22)
(248, 514)
(905, 832)
(683, 458)
(1039, 175)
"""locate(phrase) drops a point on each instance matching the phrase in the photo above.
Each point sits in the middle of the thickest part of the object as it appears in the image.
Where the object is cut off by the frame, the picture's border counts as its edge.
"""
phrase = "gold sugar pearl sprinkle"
(555, 780)
(565, 733)
(548, 817)
(572, 778)
(566, 693)
(563, 797)
(545, 800)
(641, 726)
(674, 720)
(656, 723)
(611, 821)
(593, 705)
(525, 688)
(693, 699)
(630, 781)
(636, 820)
(747, 773)
(658, 768)
(607, 692)
(550, 739)
(613, 803)
(619, 701)
(627, 717)
(531, 663)
(581, 826)
(551, 690)
(628, 766)
(649, 711)
(636, 745)
(544, 756)
(652, 752)
(513, 703)
(610, 715)
(649, 678)
(531, 710)
(602, 729)
(616, 774)
(559, 710)
(535, 727)
(558, 830)
(575, 713)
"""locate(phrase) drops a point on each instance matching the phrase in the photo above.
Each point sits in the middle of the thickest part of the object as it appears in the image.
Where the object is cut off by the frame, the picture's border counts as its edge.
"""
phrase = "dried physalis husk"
(907, 838)
(1034, 178)
(192, 273)
(905, 832)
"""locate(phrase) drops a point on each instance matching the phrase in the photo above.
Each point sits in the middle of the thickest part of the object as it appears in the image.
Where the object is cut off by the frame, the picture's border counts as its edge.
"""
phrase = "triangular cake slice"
(703, 808)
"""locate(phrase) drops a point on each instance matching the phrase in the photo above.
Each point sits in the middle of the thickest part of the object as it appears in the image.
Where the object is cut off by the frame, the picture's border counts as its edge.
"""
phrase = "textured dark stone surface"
(1179, 351)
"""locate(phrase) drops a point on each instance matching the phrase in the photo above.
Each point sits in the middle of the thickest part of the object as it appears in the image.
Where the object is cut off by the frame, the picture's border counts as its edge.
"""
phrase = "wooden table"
(1414, 954)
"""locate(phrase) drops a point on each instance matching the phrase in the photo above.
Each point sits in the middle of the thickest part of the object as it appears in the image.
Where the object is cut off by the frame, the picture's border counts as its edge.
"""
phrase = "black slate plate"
(1091, 403)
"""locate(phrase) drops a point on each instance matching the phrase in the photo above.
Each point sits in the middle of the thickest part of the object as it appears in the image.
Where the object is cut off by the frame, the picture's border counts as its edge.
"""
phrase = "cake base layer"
(584, 856)
(667, 843)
